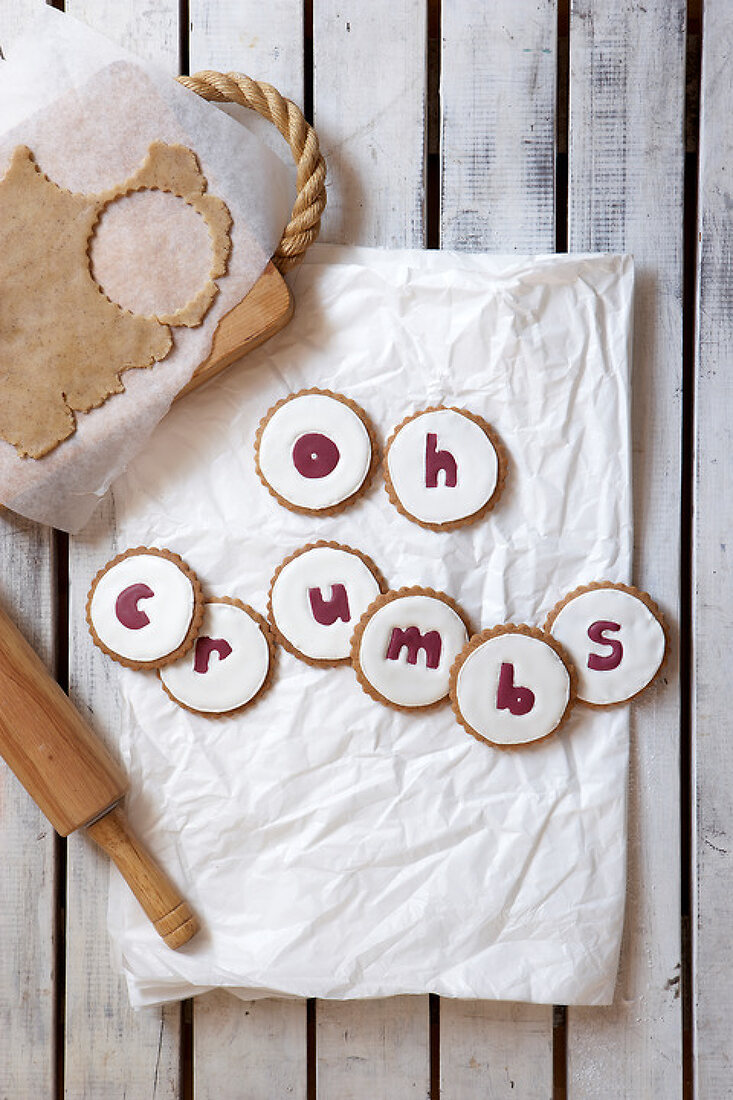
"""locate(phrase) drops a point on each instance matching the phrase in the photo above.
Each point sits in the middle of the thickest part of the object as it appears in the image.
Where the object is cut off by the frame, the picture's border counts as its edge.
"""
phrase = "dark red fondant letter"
(414, 641)
(326, 612)
(315, 455)
(435, 461)
(596, 634)
(126, 608)
(517, 700)
(205, 647)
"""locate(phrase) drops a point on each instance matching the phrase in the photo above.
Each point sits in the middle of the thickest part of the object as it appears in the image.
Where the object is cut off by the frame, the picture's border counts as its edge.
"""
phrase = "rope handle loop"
(305, 220)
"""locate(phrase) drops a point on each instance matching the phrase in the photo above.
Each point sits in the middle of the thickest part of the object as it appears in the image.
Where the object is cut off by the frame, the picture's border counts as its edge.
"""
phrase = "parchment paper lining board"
(333, 847)
(89, 111)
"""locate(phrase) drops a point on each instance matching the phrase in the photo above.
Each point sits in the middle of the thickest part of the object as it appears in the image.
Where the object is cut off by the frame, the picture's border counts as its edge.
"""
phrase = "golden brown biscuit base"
(493, 632)
(385, 598)
(502, 464)
(342, 504)
(64, 343)
(196, 618)
(266, 683)
(632, 591)
(279, 636)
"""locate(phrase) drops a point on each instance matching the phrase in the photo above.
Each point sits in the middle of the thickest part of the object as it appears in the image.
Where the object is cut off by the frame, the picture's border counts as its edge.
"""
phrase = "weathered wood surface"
(495, 1049)
(150, 30)
(265, 41)
(15, 15)
(29, 850)
(499, 61)
(499, 75)
(109, 1049)
(498, 65)
(626, 153)
(713, 575)
(28, 863)
(369, 1049)
(373, 137)
(249, 1049)
(369, 87)
(262, 1043)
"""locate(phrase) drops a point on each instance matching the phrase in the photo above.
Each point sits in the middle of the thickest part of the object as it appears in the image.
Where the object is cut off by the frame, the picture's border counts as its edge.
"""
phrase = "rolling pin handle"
(172, 917)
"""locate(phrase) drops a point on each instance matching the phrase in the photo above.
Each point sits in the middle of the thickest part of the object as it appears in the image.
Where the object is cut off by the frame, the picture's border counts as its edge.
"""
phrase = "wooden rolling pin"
(74, 780)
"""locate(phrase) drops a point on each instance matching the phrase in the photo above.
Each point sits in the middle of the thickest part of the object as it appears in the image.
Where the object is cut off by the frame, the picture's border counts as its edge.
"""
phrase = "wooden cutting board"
(264, 311)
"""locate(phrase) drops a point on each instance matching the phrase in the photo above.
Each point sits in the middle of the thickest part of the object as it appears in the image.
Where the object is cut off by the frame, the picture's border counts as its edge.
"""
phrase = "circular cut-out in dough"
(315, 451)
(145, 607)
(404, 645)
(444, 468)
(144, 225)
(511, 685)
(317, 596)
(230, 664)
(616, 638)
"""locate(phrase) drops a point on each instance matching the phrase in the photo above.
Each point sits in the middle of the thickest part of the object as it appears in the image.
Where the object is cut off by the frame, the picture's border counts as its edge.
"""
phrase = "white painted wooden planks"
(110, 1050)
(498, 87)
(498, 92)
(373, 134)
(713, 578)
(15, 15)
(370, 82)
(370, 78)
(27, 856)
(495, 1049)
(627, 65)
(378, 1050)
(627, 83)
(27, 841)
(265, 41)
(253, 1049)
(256, 1047)
(148, 29)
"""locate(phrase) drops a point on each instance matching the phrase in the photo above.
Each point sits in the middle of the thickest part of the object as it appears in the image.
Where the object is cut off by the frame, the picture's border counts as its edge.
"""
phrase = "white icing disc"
(141, 607)
(314, 451)
(443, 467)
(511, 689)
(318, 597)
(227, 666)
(615, 641)
(406, 649)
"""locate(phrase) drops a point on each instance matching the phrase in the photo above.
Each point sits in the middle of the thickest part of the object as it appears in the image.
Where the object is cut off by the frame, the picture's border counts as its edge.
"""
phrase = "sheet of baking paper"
(89, 111)
(334, 847)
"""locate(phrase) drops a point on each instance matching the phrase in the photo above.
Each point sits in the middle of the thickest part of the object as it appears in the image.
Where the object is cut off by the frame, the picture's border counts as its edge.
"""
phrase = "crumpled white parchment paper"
(88, 111)
(334, 847)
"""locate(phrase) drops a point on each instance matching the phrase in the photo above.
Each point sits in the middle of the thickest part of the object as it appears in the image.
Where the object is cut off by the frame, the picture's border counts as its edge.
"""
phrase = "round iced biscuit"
(317, 596)
(230, 664)
(404, 645)
(316, 451)
(616, 638)
(145, 607)
(444, 468)
(511, 686)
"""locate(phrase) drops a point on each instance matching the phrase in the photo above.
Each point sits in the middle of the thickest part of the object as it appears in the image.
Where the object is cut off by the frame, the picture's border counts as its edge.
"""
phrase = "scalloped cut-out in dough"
(143, 224)
(63, 343)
